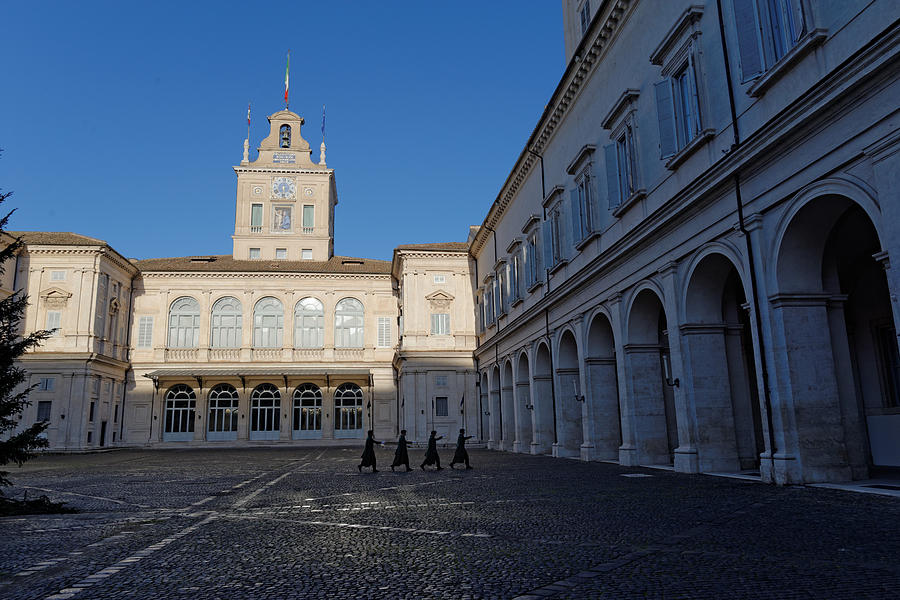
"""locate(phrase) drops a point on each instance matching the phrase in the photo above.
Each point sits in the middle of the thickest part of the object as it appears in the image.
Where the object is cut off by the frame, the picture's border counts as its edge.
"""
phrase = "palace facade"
(689, 266)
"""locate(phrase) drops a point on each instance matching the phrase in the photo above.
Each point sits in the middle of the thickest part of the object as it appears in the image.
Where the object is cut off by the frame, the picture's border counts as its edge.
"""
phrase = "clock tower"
(285, 202)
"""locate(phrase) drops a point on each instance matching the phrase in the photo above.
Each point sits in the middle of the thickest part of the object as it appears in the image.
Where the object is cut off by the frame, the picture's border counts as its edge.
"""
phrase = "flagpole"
(287, 77)
(248, 120)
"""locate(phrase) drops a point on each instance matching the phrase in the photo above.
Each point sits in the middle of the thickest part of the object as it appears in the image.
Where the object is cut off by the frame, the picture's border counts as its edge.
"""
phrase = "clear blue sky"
(122, 120)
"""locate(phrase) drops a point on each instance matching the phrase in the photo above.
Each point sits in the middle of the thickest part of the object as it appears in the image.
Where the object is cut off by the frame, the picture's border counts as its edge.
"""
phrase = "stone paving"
(287, 523)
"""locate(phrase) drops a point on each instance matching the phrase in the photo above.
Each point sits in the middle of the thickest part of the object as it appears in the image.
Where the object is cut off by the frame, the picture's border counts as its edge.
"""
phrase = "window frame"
(309, 323)
(268, 335)
(440, 323)
(349, 335)
(233, 331)
(182, 329)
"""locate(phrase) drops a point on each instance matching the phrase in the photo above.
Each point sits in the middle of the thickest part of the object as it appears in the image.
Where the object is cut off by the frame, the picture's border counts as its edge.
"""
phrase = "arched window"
(284, 136)
(223, 412)
(265, 409)
(309, 324)
(348, 412)
(307, 409)
(184, 323)
(226, 323)
(179, 418)
(348, 324)
(268, 323)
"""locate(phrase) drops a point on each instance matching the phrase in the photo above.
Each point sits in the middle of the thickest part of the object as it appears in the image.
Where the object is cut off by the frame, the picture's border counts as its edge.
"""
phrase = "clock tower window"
(285, 136)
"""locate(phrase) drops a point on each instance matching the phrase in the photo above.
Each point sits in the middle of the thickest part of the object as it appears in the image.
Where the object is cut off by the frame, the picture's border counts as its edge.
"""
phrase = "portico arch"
(494, 409)
(839, 373)
(569, 398)
(720, 372)
(603, 389)
(524, 408)
(650, 380)
(542, 398)
(507, 407)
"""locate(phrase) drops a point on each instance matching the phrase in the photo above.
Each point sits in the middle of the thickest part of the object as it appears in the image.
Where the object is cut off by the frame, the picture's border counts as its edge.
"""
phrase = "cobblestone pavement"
(286, 523)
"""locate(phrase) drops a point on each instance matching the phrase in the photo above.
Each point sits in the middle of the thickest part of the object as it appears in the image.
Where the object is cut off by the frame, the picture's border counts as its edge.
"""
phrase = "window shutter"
(665, 111)
(795, 7)
(53, 318)
(577, 222)
(547, 243)
(384, 332)
(695, 94)
(746, 23)
(145, 332)
(612, 175)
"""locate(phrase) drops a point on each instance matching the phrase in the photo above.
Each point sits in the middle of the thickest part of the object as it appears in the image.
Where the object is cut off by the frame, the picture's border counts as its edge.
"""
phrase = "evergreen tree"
(20, 446)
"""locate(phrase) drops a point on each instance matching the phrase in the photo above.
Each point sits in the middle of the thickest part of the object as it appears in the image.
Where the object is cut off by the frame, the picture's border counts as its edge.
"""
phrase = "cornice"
(102, 251)
(690, 16)
(603, 29)
(302, 171)
(257, 274)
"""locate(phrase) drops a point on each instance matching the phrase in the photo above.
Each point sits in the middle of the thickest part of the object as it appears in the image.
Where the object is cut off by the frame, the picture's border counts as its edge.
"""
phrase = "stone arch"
(652, 400)
(483, 404)
(832, 314)
(494, 422)
(569, 397)
(507, 406)
(720, 372)
(603, 388)
(544, 412)
(524, 407)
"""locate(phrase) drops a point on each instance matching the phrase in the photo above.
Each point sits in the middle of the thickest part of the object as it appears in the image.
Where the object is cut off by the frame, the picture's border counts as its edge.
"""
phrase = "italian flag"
(287, 76)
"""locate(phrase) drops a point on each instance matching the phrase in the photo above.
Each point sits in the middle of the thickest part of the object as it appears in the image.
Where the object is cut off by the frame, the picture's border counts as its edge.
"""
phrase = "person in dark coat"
(461, 456)
(401, 456)
(431, 455)
(368, 455)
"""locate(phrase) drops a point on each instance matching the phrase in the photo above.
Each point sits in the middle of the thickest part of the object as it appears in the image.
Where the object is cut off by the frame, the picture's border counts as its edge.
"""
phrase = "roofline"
(480, 237)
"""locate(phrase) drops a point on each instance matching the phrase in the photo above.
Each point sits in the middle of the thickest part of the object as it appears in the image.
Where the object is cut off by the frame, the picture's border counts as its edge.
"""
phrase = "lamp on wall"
(529, 407)
(667, 371)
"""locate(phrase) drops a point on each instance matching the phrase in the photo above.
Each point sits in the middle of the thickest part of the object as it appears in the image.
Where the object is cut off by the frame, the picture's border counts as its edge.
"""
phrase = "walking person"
(401, 456)
(368, 455)
(461, 455)
(431, 455)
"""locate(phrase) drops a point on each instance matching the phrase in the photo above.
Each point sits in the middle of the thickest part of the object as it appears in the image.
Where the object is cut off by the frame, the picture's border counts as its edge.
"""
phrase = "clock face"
(283, 187)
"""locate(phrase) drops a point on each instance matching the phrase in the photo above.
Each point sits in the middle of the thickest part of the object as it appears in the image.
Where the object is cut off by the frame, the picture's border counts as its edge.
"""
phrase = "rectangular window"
(91, 412)
(57, 275)
(440, 380)
(440, 406)
(145, 332)
(532, 266)
(256, 214)
(384, 332)
(46, 384)
(515, 275)
(585, 16)
(53, 319)
(43, 410)
(306, 254)
(281, 253)
(624, 160)
(678, 109)
(254, 253)
(116, 414)
(309, 216)
(90, 437)
(766, 31)
(440, 324)
(440, 279)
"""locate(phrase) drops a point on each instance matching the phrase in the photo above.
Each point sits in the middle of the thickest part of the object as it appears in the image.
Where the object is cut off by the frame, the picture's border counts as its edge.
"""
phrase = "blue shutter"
(665, 110)
(577, 225)
(547, 243)
(746, 24)
(612, 175)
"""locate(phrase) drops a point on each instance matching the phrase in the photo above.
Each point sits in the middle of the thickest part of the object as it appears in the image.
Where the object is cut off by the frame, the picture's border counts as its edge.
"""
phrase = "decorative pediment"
(439, 299)
(55, 297)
